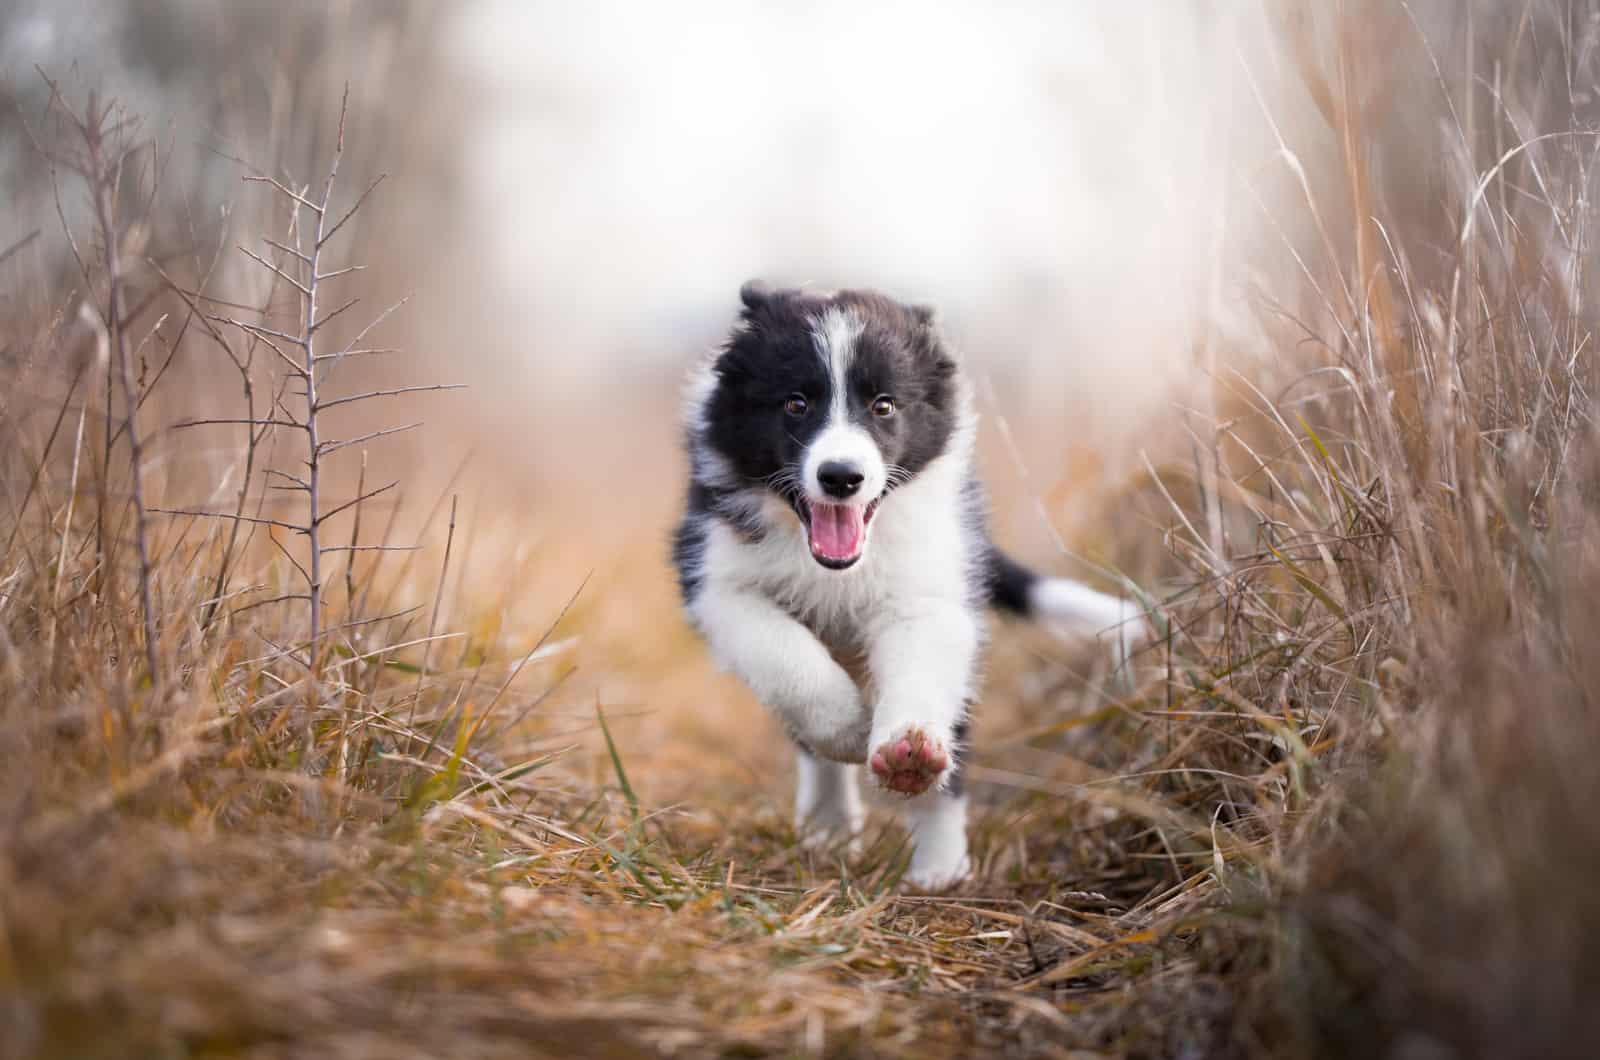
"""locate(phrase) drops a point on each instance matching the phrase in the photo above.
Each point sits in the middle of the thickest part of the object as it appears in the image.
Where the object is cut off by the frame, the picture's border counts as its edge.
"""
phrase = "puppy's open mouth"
(837, 532)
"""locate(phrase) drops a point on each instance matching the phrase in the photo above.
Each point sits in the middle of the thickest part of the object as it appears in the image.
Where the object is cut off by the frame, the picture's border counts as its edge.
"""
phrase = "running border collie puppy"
(835, 554)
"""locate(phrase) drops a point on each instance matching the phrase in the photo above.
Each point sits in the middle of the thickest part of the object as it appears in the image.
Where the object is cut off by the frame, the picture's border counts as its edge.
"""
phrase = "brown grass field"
(487, 798)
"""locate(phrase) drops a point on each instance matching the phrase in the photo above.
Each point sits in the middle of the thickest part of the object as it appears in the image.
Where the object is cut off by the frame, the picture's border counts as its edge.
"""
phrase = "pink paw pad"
(910, 764)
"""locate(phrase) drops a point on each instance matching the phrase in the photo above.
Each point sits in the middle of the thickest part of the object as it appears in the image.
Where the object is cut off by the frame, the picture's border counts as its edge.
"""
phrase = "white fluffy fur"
(842, 441)
(1071, 609)
(766, 607)
(909, 609)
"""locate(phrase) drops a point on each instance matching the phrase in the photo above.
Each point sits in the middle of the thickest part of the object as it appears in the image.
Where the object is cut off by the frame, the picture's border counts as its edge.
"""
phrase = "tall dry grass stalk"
(1342, 811)
(100, 148)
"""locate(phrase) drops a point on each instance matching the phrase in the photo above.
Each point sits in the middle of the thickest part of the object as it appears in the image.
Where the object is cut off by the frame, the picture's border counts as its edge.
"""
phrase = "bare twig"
(334, 447)
(354, 344)
(275, 270)
(370, 548)
(390, 393)
(340, 223)
(243, 420)
(294, 195)
(330, 513)
(296, 527)
(101, 176)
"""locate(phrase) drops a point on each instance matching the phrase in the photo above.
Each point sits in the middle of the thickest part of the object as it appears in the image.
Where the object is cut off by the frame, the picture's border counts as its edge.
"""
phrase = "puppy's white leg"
(923, 668)
(827, 801)
(786, 667)
(938, 825)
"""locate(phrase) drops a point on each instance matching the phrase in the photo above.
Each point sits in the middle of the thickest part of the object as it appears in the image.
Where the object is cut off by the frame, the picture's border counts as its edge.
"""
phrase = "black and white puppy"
(835, 554)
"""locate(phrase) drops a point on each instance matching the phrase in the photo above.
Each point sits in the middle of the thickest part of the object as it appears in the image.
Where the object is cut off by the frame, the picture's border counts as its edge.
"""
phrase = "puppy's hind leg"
(827, 803)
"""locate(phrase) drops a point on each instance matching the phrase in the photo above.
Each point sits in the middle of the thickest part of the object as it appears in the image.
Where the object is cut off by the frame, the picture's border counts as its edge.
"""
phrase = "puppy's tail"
(1067, 608)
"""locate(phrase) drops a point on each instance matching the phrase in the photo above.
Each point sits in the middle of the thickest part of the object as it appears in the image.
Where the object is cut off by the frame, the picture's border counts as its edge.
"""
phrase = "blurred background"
(575, 193)
(1107, 204)
(1095, 197)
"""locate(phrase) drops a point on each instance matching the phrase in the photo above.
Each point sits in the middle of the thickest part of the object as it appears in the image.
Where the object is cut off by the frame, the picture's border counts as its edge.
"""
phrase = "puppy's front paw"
(910, 761)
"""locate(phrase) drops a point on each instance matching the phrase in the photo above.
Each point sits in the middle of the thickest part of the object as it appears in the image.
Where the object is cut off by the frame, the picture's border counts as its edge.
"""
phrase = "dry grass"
(1339, 811)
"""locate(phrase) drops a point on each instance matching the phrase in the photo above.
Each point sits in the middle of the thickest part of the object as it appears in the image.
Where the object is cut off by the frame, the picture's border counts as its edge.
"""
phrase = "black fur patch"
(689, 541)
(1007, 582)
(899, 355)
(956, 783)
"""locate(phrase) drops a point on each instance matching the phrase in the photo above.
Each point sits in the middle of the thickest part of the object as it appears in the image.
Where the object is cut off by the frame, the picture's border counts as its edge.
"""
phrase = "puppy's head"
(828, 401)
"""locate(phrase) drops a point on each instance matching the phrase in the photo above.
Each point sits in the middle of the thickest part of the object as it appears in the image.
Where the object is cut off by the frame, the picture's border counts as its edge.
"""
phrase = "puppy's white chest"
(910, 562)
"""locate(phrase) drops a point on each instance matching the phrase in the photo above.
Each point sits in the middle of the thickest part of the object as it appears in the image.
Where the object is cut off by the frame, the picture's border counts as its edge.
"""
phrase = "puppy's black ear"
(755, 294)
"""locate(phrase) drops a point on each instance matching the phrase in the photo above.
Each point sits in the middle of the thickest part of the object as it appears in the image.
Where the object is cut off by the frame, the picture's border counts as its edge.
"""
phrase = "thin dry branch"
(235, 422)
(101, 176)
(360, 499)
(370, 548)
(363, 333)
(293, 195)
(296, 527)
(360, 199)
(334, 447)
(321, 322)
(275, 245)
(390, 393)
(275, 269)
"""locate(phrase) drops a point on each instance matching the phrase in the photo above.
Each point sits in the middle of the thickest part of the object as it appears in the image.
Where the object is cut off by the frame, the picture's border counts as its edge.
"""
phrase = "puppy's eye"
(796, 405)
(883, 406)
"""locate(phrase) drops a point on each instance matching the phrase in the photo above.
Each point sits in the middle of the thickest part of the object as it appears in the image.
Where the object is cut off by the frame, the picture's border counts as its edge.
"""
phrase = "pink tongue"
(836, 531)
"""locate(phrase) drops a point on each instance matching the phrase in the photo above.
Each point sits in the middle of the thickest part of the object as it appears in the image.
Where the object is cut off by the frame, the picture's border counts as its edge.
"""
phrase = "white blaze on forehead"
(835, 333)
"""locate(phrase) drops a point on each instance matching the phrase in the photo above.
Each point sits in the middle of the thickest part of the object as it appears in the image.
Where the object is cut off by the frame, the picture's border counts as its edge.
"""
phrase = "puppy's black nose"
(839, 479)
